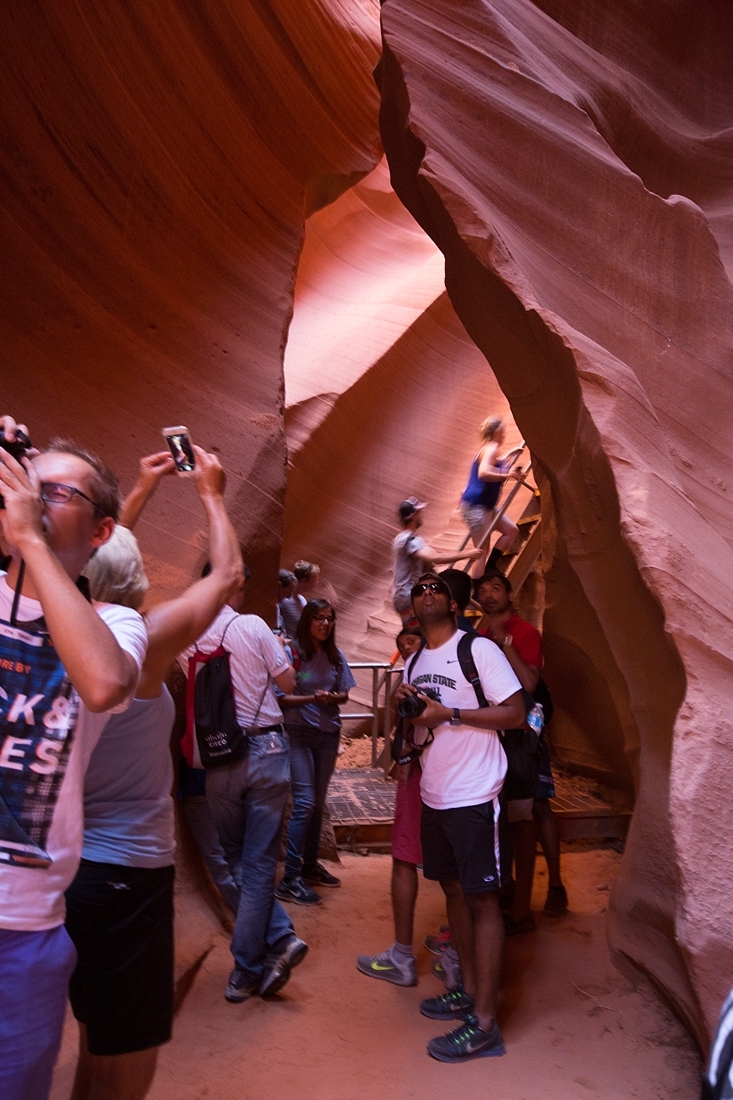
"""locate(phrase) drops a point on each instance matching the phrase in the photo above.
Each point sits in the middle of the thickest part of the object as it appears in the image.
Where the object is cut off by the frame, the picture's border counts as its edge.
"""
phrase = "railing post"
(375, 715)
(387, 705)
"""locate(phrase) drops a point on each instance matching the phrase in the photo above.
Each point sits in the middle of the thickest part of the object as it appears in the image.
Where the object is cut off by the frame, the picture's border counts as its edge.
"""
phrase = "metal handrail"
(388, 669)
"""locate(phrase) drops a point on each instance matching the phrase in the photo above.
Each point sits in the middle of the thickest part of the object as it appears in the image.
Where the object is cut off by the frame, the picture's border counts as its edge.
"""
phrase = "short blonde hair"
(305, 569)
(490, 427)
(116, 573)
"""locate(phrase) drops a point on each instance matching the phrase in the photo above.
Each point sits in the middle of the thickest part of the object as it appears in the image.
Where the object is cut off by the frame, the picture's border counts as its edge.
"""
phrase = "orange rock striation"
(159, 160)
(572, 161)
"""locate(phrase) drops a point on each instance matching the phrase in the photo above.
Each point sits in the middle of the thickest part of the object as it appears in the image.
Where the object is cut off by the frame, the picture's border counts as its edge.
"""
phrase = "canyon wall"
(158, 163)
(572, 161)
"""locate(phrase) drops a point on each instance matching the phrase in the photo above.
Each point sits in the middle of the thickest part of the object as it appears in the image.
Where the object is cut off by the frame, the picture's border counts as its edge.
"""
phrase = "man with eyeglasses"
(247, 800)
(463, 769)
(64, 665)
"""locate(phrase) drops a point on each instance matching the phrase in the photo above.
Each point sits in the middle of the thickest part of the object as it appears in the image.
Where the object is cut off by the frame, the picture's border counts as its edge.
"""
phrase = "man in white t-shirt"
(64, 665)
(247, 800)
(412, 556)
(463, 769)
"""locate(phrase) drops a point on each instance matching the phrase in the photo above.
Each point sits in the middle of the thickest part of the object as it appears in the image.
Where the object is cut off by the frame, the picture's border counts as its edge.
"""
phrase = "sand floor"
(573, 1026)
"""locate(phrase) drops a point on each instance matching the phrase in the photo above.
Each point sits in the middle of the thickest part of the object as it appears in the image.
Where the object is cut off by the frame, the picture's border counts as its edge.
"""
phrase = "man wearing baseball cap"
(412, 556)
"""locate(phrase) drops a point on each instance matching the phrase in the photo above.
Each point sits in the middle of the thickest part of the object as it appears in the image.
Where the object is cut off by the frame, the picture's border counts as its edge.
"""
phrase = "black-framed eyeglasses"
(324, 619)
(428, 586)
(53, 492)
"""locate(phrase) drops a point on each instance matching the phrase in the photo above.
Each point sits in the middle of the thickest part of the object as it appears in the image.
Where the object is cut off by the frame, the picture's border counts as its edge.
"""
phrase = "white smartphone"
(179, 441)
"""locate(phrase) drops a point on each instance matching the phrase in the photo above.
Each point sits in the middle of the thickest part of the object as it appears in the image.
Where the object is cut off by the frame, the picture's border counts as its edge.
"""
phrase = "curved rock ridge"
(158, 161)
(367, 270)
(407, 426)
(523, 141)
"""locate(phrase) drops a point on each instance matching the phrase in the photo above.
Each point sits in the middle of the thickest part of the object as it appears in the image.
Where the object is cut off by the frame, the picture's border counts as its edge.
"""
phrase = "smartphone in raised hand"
(179, 442)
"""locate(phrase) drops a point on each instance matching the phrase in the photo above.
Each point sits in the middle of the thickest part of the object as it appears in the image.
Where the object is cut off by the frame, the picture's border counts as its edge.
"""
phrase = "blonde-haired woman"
(488, 473)
(119, 908)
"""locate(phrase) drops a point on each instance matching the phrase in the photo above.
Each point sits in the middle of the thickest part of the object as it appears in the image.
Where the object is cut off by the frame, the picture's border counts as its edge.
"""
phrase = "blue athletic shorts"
(35, 968)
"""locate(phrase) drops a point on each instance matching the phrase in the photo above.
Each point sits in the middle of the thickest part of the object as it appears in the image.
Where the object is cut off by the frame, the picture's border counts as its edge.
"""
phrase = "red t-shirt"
(526, 639)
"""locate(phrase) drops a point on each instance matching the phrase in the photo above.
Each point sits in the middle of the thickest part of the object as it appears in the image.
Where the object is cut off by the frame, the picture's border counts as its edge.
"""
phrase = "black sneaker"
(466, 1042)
(279, 967)
(449, 1006)
(319, 876)
(240, 987)
(294, 889)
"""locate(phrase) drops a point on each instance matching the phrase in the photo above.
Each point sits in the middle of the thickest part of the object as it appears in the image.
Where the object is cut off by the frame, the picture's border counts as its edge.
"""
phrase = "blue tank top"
(128, 808)
(485, 493)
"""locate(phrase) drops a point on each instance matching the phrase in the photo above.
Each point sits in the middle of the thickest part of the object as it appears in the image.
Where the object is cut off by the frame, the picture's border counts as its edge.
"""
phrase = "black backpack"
(210, 710)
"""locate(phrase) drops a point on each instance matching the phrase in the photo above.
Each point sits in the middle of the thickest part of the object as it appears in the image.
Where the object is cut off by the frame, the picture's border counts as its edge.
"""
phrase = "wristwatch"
(456, 719)
(508, 640)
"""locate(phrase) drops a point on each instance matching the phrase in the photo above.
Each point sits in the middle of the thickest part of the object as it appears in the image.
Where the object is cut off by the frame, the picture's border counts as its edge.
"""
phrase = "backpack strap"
(409, 667)
(468, 667)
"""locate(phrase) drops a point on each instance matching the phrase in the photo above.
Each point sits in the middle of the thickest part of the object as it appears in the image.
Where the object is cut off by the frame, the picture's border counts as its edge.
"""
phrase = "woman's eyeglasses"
(324, 619)
(53, 492)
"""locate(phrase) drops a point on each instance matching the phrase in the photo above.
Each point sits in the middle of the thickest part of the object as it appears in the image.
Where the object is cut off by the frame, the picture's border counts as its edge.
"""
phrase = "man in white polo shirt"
(64, 665)
(463, 769)
(247, 800)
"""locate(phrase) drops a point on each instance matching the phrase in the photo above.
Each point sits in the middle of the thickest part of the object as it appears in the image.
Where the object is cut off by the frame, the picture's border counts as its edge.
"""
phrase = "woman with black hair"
(313, 724)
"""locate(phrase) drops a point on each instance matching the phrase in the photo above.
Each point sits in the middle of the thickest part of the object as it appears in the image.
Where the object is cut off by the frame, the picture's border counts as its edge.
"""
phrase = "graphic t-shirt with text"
(464, 766)
(46, 738)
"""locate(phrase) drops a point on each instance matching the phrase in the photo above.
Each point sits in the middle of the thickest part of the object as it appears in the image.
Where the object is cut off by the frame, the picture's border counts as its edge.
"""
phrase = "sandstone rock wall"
(158, 161)
(572, 161)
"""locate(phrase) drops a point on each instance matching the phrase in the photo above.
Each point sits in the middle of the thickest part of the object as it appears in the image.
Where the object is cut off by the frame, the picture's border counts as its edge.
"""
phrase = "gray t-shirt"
(291, 608)
(407, 567)
(318, 674)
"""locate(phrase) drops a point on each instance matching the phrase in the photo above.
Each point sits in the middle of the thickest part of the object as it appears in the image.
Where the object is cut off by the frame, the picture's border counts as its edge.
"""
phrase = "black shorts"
(520, 747)
(121, 922)
(545, 785)
(464, 844)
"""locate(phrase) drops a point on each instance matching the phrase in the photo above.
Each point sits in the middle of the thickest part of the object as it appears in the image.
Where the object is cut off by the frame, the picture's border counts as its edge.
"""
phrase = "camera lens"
(411, 706)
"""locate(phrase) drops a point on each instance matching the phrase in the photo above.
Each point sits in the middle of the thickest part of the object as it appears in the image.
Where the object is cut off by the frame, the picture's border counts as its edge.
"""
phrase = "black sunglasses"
(429, 586)
(53, 492)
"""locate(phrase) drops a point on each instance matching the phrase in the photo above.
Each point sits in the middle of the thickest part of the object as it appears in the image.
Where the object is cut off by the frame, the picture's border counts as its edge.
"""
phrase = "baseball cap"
(408, 507)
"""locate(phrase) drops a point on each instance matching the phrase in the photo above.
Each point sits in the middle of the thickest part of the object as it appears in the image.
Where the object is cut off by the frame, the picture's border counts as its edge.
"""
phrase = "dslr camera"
(18, 448)
(412, 706)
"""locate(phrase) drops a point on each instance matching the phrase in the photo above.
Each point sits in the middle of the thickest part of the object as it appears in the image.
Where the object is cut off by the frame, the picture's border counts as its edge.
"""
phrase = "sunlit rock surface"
(572, 160)
(384, 395)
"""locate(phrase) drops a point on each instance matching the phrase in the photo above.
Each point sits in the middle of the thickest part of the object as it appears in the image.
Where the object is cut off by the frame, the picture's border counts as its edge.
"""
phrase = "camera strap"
(399, 739)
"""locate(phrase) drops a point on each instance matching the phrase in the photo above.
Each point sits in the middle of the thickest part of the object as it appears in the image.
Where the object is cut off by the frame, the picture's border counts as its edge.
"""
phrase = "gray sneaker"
(399, 970)
(240, 987)
(454, 1005)
(294, 889)
(448, 968)
(278, 968)
(467, 1041)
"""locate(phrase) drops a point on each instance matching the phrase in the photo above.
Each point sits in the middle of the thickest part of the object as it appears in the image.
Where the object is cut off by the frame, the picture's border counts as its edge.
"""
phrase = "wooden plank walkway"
(361, 804)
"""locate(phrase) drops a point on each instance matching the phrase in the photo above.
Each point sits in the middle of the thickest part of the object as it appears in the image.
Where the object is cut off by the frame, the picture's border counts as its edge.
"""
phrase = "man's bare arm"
(152, 469)
(102, 672)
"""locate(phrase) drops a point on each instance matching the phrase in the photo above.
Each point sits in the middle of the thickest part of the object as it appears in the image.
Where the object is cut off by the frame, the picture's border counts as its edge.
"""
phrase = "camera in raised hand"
(18, 448)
